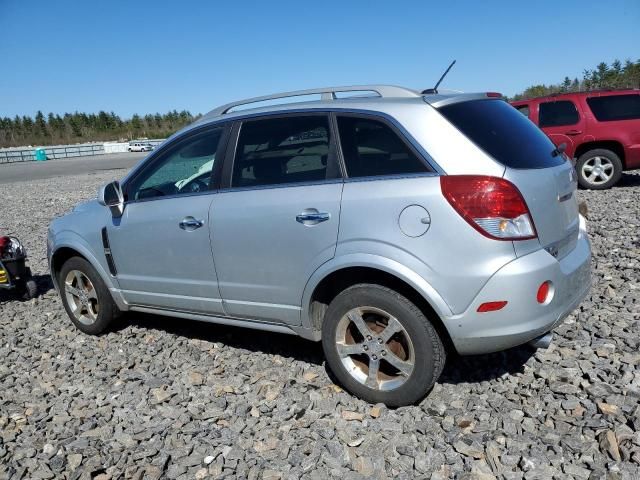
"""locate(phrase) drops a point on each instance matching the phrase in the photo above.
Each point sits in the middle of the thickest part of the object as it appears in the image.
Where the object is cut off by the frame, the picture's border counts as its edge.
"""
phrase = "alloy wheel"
(597, 170)
(375, 348)
(81, 297)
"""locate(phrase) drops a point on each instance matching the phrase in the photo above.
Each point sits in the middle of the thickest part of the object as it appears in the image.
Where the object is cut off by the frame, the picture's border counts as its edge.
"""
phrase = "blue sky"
(149, 56)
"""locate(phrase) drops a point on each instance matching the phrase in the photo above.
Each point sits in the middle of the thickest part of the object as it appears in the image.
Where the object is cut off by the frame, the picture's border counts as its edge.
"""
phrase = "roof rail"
(328, 93)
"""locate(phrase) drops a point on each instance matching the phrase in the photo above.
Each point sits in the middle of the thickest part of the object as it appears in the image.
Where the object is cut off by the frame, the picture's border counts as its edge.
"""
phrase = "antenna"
(435, 89)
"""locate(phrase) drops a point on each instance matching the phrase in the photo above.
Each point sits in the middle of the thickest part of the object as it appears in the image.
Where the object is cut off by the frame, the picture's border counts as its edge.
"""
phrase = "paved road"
(26, 171)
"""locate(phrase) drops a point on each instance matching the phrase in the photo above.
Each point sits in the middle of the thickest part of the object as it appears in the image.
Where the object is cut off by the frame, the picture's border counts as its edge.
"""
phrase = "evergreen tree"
(603, 76)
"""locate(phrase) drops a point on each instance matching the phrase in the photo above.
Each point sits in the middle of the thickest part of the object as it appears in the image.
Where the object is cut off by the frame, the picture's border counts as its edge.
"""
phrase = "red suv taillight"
(491, 205)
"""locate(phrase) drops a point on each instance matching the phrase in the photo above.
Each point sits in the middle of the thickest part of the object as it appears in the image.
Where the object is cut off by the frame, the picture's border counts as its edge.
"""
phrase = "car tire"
(598, 169)
(85, 297)
(403, 346)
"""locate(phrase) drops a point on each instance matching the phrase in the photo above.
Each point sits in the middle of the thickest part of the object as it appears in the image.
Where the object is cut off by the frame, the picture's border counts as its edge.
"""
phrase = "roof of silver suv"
(336, 97)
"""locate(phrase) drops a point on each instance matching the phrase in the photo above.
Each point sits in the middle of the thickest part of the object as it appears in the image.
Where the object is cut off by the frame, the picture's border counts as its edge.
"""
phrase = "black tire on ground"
(430, 353)
(610, 157)
(107, 311)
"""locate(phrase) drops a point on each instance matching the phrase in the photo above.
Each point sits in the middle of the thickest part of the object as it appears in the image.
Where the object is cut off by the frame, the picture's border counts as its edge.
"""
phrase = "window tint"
(523, 109)
(183, 168)
(370, 148)
(555, 114)
(502, 132)
(615, 107)
(282, 150)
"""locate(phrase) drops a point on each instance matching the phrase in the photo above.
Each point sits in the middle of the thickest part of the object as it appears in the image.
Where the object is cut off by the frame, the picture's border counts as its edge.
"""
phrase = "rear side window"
(615, 107)
(523, 109)
(557, 114)
(502, 132)
(371, 148)
(282, 150)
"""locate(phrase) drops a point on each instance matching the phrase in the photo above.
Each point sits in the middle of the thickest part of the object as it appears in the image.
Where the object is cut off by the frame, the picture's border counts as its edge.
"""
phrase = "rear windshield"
(615, 107)
(503, 132)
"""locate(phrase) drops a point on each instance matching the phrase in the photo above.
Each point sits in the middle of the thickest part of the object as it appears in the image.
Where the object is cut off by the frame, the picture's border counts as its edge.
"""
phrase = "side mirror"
(111, 196)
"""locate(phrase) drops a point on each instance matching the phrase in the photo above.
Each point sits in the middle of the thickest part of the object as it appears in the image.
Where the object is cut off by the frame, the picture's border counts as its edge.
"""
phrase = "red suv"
(601, 129)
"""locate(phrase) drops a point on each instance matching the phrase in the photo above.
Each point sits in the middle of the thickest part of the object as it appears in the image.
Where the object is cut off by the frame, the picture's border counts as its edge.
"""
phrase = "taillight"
(491, 205)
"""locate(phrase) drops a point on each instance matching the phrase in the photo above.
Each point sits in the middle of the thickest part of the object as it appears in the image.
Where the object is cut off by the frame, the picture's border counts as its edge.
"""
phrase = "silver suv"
(393, 226)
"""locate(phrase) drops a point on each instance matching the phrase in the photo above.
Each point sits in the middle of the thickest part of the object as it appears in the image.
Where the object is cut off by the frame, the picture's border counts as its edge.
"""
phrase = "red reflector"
(543, 292)
(491, 306)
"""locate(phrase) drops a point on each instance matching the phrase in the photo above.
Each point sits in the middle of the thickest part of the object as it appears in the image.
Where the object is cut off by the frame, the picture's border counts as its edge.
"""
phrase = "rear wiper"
(559, 150)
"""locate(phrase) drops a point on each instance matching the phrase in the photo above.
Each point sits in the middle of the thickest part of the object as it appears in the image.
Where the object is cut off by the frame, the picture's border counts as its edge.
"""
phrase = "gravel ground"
(168, 398)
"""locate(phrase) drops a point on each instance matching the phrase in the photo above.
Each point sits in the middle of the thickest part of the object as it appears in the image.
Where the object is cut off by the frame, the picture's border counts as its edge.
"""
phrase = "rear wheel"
(85, 296)
(598, 169)
(380, 346)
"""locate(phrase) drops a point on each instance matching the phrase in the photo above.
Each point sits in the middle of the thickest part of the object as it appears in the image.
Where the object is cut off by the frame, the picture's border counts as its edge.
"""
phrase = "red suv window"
(555, 114)
(615, 107)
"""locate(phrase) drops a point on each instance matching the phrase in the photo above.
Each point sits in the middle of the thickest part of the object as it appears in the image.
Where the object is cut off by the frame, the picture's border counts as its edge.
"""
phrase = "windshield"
(503, 132)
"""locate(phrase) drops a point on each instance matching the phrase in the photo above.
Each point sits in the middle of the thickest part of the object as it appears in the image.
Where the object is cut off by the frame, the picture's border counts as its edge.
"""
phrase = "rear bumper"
(523, 318)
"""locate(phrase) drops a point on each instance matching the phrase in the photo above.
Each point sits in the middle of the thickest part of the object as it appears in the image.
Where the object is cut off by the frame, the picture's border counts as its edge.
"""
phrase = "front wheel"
(598, 169)
(85, 297)
(380, 346)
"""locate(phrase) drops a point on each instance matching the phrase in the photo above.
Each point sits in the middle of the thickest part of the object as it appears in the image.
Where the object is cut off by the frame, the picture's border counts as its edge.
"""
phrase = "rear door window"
(290, 149)
(557, 114)
(503, 132)
(615, 107)
(371, 148)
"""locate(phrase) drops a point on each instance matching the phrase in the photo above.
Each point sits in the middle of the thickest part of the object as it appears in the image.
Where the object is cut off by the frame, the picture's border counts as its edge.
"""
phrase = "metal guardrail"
(12, 156)
(64, 151)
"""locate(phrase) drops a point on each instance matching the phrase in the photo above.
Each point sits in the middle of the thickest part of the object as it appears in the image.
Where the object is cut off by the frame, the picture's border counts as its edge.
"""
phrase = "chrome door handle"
(312, 217)
(189, 224)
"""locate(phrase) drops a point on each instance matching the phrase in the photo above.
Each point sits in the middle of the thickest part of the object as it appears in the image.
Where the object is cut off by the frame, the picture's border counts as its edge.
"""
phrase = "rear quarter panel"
(625, 132)
(451, 256)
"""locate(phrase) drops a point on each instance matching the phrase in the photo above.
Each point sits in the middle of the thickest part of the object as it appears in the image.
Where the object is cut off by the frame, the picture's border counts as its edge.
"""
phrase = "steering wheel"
(194, 186)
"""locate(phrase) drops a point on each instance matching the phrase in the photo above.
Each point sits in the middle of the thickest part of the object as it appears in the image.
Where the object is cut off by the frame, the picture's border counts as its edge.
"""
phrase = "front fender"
(70, 239)
(377, 262)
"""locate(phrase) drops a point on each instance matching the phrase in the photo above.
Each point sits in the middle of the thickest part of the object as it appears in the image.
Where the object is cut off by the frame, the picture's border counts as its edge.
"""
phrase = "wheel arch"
(613, 145)
(330, 280)
(66, 249)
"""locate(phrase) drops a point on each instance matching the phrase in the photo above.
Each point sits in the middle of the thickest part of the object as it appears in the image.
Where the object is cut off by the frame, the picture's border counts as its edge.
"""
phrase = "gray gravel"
(167, 398)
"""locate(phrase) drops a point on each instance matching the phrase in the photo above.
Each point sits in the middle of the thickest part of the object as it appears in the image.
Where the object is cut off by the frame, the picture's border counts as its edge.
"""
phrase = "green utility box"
(39, 154)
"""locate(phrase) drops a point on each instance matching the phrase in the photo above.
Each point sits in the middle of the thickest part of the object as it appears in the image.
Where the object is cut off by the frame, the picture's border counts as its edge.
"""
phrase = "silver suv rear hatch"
(545, 177)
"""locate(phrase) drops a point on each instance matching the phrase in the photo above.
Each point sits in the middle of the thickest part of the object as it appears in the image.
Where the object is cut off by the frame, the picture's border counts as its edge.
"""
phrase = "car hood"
(87, 206)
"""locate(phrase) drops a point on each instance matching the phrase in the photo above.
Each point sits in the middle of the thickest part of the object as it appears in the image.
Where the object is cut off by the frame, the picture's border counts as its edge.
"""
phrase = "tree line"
(76, 127)
(604, 76)
(104, 126)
